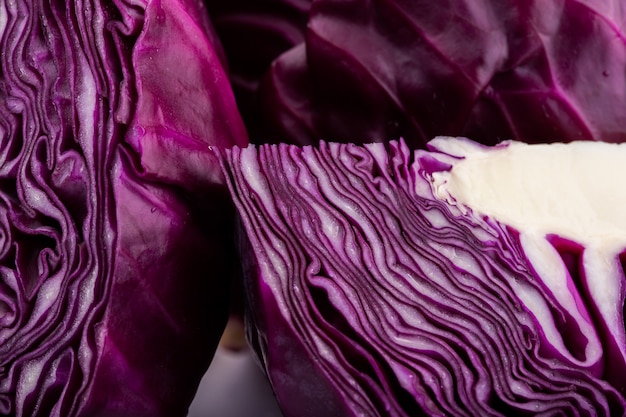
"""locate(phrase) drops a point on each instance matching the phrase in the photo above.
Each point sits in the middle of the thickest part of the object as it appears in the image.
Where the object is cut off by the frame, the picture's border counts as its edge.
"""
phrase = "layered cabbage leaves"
(114, 223)
(376, 292)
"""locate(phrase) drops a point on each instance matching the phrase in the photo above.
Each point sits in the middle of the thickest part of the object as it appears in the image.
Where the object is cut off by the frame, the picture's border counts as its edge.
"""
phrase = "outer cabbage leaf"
(112, 286)
(254, 33)
(370, 70)
(370, 296)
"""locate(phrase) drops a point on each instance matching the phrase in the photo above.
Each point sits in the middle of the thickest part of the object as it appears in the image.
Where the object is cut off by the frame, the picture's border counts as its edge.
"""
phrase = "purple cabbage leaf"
(372, 70)
(254, 33)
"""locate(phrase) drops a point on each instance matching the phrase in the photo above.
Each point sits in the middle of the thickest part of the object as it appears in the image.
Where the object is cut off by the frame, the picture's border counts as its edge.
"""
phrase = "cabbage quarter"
(461, 281)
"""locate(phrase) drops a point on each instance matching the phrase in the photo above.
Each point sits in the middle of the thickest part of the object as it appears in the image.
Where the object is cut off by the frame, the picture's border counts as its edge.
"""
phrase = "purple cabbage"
(367, 71)
(369, 296)
(114, 231)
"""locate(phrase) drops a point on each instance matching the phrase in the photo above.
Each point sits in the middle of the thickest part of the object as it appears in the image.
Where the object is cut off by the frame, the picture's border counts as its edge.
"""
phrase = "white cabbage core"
(573, 190)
